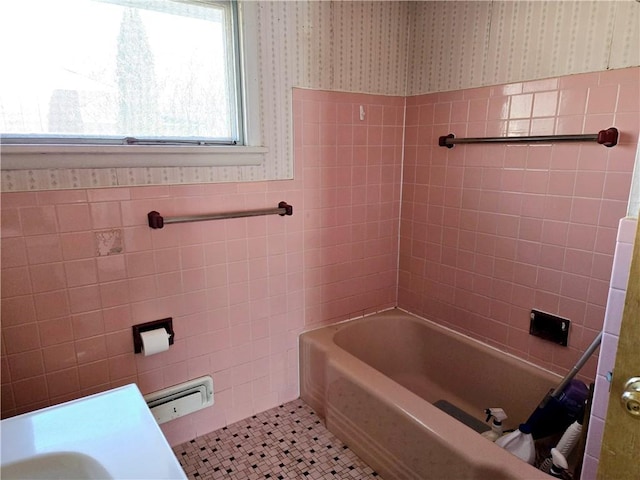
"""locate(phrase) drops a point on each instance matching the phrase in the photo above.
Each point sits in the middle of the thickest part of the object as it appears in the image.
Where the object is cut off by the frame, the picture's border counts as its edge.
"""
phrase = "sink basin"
(107, 435)
(62, 465)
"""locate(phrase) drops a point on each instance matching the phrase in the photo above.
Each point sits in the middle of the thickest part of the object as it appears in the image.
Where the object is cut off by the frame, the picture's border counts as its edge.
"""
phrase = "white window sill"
(30, 157)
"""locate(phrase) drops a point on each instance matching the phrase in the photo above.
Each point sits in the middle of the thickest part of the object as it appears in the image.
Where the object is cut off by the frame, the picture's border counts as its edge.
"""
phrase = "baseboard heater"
(182, 399)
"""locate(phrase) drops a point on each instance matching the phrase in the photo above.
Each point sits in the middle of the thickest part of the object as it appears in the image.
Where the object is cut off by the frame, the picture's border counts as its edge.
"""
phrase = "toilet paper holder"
(167, 323)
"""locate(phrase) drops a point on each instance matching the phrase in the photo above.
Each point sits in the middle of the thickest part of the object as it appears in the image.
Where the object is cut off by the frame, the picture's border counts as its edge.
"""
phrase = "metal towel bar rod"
(158, 221)
(608, 138)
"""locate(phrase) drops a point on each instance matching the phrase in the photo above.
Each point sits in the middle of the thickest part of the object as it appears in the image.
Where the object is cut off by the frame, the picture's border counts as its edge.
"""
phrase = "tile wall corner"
(613, 317)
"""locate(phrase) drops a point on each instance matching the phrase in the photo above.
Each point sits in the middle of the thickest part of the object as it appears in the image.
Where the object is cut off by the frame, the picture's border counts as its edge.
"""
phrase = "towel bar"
(158, 221)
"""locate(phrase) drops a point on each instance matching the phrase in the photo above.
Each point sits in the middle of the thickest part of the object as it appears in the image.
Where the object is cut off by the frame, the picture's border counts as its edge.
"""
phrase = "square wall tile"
(51, 304)
(25, 365)
(38, 220)
(105, 215)
(14, 253)
(621, 266)
(73, 217)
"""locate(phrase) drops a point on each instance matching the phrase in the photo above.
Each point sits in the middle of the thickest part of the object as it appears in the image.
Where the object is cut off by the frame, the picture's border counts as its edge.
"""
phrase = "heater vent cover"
(182, 399)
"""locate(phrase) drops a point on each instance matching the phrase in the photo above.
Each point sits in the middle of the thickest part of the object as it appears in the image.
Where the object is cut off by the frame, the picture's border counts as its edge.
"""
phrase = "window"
(142, 73)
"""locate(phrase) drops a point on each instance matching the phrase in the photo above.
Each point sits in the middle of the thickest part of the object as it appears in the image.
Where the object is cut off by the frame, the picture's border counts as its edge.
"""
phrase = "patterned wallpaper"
(392, 48)
(462, 44)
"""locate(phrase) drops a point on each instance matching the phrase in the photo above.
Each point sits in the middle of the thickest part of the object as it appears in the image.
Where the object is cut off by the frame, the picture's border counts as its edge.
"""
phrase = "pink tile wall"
(80, 267)
(351, 177)
(489, 232)
(609, 346)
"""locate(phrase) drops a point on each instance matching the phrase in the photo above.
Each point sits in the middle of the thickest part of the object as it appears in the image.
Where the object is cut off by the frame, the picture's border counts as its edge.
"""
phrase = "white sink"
(62, 465)
(103, 436)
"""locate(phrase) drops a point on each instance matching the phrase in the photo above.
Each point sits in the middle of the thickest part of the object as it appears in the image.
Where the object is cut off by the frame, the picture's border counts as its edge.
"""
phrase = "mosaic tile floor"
(285, 442)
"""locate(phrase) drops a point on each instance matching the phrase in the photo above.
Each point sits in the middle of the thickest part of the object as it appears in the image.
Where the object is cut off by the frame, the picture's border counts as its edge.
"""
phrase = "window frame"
(39, 155)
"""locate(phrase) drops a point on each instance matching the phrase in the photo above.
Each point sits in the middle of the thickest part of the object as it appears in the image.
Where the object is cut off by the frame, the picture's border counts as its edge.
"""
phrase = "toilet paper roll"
(154, 341)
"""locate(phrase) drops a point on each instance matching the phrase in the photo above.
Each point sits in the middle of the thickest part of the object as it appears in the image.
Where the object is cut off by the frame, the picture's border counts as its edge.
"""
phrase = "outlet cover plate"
(550, 327)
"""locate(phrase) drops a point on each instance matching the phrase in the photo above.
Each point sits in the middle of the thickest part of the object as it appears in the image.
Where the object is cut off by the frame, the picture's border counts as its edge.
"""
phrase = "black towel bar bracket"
(158, 221)
(608, 138)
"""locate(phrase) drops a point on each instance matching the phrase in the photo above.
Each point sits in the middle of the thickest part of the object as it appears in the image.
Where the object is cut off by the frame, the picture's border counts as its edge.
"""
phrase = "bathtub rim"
(334, 327)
